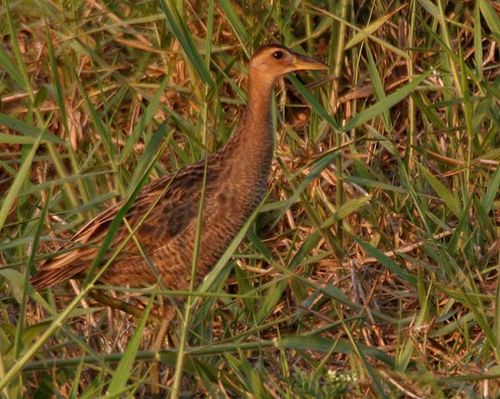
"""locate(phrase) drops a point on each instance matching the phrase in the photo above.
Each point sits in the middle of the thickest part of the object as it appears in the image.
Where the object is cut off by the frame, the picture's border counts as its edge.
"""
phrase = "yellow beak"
(303, 63)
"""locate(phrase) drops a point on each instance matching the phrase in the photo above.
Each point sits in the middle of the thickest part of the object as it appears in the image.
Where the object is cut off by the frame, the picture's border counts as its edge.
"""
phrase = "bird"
(166, 211)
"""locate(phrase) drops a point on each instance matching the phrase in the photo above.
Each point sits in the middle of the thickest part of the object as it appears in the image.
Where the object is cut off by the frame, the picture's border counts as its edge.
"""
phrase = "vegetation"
(371, 270)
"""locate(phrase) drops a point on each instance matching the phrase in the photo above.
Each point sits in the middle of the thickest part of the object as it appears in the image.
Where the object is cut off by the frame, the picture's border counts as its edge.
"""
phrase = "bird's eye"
(278, 55)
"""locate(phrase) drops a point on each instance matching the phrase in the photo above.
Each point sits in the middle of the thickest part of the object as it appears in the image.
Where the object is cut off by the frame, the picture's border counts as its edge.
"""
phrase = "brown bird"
(236, 182)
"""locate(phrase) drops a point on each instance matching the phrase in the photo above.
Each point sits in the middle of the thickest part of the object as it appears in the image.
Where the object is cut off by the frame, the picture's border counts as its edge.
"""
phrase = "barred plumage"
(235, 184)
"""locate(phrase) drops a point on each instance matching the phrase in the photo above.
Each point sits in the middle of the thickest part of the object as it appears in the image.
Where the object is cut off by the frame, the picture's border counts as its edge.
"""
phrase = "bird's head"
(273, 61)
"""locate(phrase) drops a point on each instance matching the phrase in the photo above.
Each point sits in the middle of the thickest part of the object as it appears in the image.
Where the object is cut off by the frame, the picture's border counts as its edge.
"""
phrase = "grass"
(371, 270)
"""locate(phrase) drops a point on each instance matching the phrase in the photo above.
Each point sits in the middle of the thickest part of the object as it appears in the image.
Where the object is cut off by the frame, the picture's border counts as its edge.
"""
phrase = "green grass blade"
(124, 368)
(367, 31)
(478, 46)
(11, 139)
(378, 87)
(496, 321)
(179, 29)
(315, 104)
(22, 177)
(28, 130)
(431, 8)
(382, 106)
(346, 209)
(7, 65)
(239, 29)
(145, 119)
(491, 17)
(150, 152)
(57, 82)
(491, 192)
(450, 199)
(387, 262)
(98, 124)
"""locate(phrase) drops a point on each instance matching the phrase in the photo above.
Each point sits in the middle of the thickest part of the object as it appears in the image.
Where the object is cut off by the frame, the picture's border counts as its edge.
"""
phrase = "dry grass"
(370, 271)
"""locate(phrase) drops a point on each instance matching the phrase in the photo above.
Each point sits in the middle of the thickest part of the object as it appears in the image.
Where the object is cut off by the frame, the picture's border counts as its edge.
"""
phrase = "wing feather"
(173, 211)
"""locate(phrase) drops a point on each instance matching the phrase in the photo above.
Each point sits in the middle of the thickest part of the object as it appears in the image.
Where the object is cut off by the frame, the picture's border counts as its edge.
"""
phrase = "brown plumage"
(235, 184)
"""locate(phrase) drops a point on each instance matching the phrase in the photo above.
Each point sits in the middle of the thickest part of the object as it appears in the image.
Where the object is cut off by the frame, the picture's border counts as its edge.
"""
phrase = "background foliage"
(372, 268)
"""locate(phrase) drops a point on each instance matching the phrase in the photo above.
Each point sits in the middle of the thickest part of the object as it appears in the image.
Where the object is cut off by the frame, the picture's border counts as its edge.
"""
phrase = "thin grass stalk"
(18, 181)
(168, 356)
(24, 297)
(190, 302)
(123, 371)
(411, 131)
(208, 138)
(461, 90)
(64, 118)
(61, 170)
(5, 390)
(339, 138)
(29, 90)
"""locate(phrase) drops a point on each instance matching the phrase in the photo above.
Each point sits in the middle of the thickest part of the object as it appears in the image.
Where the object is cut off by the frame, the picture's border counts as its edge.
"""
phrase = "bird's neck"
(256, 125)
(252, 145)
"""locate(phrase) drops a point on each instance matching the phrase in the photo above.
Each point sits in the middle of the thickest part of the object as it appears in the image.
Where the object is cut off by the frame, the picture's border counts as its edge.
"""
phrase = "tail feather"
(60, 269)
(53, 277)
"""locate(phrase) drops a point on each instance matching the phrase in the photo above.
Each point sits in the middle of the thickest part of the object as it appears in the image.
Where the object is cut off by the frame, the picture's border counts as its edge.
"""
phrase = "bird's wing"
(168, 203)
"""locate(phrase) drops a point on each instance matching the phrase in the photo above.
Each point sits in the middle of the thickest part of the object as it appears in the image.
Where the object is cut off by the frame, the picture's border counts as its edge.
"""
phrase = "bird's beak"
(303, 63)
